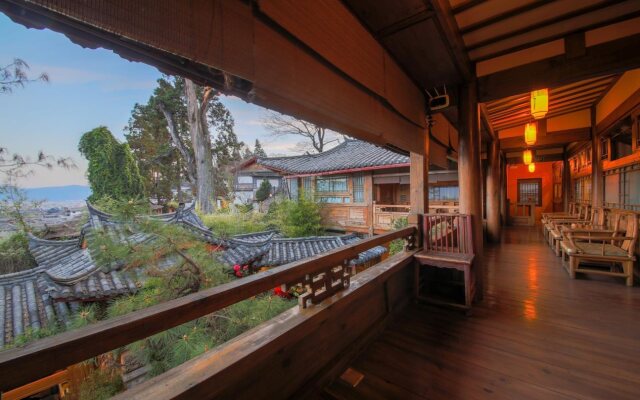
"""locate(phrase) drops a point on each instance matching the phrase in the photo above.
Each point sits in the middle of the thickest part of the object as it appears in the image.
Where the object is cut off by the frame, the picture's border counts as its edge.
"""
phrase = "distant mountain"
(59, 193)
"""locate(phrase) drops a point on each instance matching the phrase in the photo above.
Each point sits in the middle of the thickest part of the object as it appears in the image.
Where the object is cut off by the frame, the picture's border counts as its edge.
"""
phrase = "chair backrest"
(572, 208)
(598, 217)
(449, 233)
(627, 224)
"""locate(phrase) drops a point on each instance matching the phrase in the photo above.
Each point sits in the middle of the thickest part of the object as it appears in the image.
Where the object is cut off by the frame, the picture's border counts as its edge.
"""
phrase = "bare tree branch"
(314, 136)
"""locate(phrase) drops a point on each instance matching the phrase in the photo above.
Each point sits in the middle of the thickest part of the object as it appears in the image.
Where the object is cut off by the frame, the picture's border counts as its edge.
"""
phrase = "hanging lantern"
(539, 103)
(527, 157)
(530, 133)
(532, 167)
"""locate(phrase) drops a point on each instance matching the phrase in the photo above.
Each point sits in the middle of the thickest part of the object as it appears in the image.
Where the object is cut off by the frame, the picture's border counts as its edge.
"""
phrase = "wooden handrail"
(19, 366)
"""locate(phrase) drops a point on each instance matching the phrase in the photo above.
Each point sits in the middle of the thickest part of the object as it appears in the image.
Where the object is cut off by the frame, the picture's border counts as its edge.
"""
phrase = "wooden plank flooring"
(537, 335)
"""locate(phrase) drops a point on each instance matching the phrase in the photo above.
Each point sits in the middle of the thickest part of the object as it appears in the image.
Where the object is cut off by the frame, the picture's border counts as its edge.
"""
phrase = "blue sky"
(88, 88)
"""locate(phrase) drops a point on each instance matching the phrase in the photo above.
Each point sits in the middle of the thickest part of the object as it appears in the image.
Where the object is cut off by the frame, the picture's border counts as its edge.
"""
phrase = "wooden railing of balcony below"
(41, 358)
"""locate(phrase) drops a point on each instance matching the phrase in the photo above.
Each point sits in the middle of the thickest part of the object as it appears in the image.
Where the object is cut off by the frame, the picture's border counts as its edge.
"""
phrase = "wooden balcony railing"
(36, 360)
(385, 215)
(448, 233)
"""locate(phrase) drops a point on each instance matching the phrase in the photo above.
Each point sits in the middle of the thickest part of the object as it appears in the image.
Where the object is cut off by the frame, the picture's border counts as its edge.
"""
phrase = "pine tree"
(258, 151)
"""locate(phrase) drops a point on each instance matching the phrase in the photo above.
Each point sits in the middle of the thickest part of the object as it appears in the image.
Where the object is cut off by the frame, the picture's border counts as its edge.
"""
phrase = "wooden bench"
(582, 212)
(596, 221)
(447, 243)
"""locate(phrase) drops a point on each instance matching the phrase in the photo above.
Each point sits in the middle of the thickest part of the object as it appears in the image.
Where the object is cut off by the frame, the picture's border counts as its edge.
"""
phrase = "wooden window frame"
(532, 180)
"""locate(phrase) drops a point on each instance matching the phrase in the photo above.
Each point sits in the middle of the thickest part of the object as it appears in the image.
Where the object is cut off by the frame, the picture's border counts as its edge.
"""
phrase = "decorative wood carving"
(325, 284)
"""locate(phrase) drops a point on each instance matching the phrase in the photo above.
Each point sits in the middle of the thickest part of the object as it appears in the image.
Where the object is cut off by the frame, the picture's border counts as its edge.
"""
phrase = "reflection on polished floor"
(537, 335)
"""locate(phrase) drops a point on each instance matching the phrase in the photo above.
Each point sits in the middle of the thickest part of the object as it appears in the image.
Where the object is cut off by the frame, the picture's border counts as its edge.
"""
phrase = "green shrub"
(296, 218)
(100, 384)
(14, 254)
(397, 245)
(229, 224)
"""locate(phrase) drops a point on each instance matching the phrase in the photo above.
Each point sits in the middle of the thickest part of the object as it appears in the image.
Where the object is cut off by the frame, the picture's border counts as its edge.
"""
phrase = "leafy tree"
(191, 113)
(315, 138)
(157, 158)
(297, 218)
(264, 191)
(112, 170)
(14, 75)
(258, 151)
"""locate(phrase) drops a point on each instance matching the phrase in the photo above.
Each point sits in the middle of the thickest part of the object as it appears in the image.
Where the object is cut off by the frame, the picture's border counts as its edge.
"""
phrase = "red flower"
(246, 267)
(281, 293)
(236, 268)
(238, 274)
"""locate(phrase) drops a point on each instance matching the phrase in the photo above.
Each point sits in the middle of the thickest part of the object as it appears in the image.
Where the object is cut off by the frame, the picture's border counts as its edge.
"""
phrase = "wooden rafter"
(607, 58)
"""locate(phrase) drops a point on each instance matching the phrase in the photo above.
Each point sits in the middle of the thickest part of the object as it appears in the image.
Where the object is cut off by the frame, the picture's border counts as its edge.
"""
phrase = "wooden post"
(503, 191)
(419, 185)
(470, 171)
(566, 181)
(494, 189)
(597, 192)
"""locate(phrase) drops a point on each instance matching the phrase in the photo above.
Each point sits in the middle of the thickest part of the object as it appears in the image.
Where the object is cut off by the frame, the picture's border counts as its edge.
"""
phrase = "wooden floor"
(537, 335)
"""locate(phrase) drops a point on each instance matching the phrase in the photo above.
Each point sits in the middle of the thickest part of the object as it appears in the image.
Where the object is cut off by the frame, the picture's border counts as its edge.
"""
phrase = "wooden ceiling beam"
(562, 30)
(466, 5)
(550, 140)
(607, 58)
(451, 35)
(502, 16)
(520, 98)
(559, 105)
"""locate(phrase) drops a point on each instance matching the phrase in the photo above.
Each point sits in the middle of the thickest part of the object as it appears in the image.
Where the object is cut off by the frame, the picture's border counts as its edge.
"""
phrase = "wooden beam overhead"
(295, 60)
(501, 16)
(551, 139)
(612, 57)
(450, 32)
(557, 27)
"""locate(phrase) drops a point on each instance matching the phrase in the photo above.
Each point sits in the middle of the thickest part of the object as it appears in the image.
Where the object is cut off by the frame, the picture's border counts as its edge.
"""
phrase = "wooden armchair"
(582, 214)
(613, 249)
(596, 221)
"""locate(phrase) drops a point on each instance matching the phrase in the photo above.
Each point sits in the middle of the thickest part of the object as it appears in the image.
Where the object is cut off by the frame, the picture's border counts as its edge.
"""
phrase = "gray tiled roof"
(280, 251)
(351, 154)
(66, 274)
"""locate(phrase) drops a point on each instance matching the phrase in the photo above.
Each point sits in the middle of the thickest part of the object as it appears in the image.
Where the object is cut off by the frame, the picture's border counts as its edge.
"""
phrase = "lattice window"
(331, 184)
(358, 188)
(530, 191)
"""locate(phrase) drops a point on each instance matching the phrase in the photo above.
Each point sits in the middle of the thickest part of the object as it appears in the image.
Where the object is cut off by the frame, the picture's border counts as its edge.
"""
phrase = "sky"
(87, 88)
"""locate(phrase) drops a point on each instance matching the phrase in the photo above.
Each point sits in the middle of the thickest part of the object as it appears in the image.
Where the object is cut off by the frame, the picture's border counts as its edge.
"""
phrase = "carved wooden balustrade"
(324, 275)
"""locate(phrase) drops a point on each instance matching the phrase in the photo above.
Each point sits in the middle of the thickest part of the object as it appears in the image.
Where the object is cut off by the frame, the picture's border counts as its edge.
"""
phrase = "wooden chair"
(607, 248)
(448, 243)
(596, 221)
(582, 214)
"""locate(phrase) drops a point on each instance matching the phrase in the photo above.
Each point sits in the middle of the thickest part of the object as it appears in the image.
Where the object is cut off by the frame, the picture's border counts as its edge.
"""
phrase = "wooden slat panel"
(332, 31)
(201, 38)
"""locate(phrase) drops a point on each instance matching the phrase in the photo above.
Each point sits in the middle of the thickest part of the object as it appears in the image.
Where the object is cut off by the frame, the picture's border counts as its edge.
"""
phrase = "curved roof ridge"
(298, 156)
(49, 242)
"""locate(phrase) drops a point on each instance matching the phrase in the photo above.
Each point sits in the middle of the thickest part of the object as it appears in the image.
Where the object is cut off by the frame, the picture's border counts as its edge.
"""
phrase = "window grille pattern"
(331, 184)
(530, 191)
(358, 188)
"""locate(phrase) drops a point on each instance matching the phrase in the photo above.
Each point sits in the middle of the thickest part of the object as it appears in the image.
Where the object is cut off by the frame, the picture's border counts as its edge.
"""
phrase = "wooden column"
(503, 191)
(597, 192)
(470, 172)
(494, 189)
(566, 182)
(419, 186)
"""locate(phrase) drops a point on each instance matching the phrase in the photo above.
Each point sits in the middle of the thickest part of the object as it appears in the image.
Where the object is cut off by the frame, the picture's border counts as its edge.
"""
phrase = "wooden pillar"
(470, 172)
(494, 189)
(503, 191)
(597, 183)
(419, 187)
(566, 182)
(419, 184)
